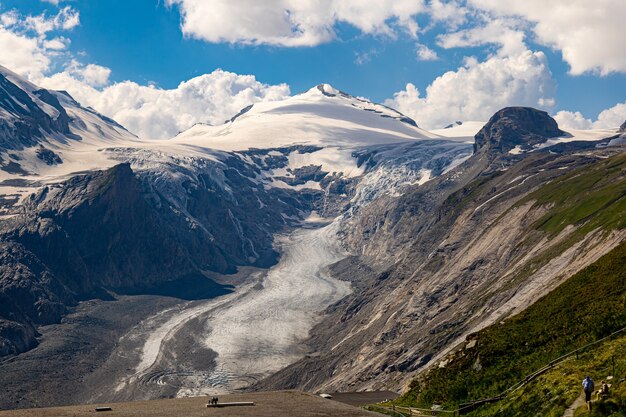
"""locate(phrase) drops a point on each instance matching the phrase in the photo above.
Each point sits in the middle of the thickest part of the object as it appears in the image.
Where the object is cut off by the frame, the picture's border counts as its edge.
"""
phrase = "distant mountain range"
(448, 234)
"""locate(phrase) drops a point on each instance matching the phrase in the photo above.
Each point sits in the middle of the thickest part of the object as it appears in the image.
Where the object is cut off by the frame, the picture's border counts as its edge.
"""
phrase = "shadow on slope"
(193, 286)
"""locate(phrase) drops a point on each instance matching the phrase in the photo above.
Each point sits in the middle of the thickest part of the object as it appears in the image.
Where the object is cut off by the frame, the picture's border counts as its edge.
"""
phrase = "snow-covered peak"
(47, 133)
(458, 129)
(324, 90)
(321, 116)
(18, 80)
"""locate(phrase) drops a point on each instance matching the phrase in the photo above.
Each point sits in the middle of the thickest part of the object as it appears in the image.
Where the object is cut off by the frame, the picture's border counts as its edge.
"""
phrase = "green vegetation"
(588, 306)
(556, 390)
(592, 196)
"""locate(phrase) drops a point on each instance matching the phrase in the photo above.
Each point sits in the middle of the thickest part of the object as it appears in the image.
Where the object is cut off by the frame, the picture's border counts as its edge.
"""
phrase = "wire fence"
(467, 407)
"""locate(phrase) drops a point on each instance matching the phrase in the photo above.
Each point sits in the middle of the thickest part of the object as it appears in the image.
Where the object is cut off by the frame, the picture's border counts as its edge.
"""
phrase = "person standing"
(588, 388)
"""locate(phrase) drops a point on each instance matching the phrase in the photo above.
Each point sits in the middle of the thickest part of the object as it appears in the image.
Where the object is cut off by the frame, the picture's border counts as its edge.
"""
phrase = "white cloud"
(590, 34)
(146, 110)
(66, 19)
(424, 53)
(501, 32)
(24, 41)
(152, 112)
(451, 13)
(478, 90)
(292, 22)
(362, 58)
(572, 120)
(91, 75)
(22, 54)
(95, 75)
(9, 18)
(57, 44)
(610, 118)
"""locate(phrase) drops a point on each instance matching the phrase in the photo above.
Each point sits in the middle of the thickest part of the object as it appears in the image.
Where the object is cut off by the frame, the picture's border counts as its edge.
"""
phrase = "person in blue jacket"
(588, 388)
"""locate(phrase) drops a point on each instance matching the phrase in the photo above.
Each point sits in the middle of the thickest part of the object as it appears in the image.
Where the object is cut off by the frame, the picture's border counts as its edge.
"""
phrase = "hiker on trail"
(588, 388)
(603, 392)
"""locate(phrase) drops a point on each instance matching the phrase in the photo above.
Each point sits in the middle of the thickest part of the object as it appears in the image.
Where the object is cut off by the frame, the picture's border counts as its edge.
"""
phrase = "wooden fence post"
(613, 363)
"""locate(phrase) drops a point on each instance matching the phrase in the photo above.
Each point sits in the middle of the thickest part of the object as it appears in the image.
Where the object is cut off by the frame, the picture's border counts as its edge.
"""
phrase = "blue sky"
(143, 41)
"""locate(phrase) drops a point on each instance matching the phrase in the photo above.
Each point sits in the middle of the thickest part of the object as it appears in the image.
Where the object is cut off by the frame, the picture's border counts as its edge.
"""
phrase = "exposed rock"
(48, 156)
(116, 230)
(437, 262)
(304, 174)
(511, 127)
(27, 119)
(622, 128)
(451, 125)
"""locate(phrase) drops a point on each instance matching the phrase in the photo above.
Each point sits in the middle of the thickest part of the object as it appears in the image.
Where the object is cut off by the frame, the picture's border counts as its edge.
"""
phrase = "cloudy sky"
(159, 66)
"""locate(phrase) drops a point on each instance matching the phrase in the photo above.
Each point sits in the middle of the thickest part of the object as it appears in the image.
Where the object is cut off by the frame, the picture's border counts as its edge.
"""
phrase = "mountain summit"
(323, 115)
(516, 129)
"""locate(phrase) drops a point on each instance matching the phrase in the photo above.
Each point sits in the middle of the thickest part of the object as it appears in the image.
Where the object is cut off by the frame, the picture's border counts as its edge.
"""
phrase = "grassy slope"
(550, 394)
(592, 197)
(588, 306)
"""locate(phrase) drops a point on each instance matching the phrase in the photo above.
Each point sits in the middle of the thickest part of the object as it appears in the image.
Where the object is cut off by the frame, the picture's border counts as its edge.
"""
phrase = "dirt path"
(579, 402)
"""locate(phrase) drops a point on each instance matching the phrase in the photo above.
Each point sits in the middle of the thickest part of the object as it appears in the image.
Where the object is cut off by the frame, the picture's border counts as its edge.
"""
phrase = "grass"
(588, 306)
(552, 393)
(592, 197)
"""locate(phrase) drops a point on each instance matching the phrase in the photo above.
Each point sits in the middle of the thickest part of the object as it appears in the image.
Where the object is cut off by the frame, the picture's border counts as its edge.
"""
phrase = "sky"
(159, 66)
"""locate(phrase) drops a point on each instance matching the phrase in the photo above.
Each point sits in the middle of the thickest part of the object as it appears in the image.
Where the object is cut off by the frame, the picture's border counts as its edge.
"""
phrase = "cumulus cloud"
(292, 22)
(91, 75)
(610, 118)
(66, 19)
(451, 13)
(22, 54)
(502, 32)
(589, 34)
(479, 89)
(424, 53)
(24, 41)
(572, 120)
(152, 112)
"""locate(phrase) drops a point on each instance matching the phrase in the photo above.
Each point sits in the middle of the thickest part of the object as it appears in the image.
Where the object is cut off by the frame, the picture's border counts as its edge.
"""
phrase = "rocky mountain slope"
(586, 308)
(467, 249)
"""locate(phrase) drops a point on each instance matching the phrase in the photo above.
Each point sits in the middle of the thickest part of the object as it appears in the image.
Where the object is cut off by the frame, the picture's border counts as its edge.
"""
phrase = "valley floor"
(147, 347)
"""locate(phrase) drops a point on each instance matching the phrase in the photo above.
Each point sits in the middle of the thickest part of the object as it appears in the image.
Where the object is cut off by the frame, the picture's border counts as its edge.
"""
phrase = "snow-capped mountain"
(303, 142)
(32, 117)
(213, 195)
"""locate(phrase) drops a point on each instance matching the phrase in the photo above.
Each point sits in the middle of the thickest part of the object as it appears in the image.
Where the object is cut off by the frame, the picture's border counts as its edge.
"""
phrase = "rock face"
(115, 230)
(513, 127)
(622, 128)
(28, 116)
